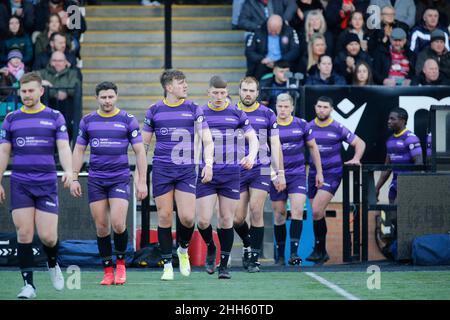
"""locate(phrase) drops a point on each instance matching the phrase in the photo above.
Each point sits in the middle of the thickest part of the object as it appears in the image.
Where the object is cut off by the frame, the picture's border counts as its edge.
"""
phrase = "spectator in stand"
(43, 39)
(356, 25)
(236, 12)
(436, 51)
(255, 13)
(338, 13)
(393, 65)
(272, 42)
(45, 8)
(362, 75)
(6, 80)
(347, 59)
(57, 42)
(317, 47)
(380, 37)
(15, 65)
(20, 8)
(278, 83)
(443, 6)
(58, 75)
(315, 23)
(325, 74)
(405, 10)
(16, 39)
(303, 9)
(430, 75)
(420, 35)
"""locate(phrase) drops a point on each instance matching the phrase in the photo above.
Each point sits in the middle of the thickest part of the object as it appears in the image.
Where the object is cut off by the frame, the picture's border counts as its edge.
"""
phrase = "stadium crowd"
(396, 43)
(36, 35)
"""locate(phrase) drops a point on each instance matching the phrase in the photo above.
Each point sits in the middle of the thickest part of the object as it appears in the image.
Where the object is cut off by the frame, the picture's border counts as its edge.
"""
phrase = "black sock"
(105, 250)
(256, 239)
(52, 254)
(244, 233)
(120, 244)
(26, 262)
(207, 235)
(320, 233)
(226, 237)
(295, 234)
(165, 243)
(280, 237)
(185, 235)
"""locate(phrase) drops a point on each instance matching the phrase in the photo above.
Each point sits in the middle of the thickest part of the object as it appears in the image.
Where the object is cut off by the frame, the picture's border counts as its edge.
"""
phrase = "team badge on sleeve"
(134, 133)
(200, 119)
(63, 128)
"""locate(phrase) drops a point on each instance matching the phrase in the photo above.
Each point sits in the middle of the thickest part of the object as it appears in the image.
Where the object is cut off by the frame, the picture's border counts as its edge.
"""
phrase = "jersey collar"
(179, 103)
(213, 108)
(245, 109)
(28, 111)
(316, 121)
(401, 133)
(108, 115)
(285, 124)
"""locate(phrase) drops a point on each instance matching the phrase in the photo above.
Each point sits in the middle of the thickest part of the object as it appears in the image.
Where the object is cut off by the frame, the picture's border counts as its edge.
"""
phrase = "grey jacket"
(405, 10)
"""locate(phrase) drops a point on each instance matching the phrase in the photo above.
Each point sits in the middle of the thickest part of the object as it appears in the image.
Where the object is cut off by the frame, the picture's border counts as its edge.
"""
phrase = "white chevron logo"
(350, 122)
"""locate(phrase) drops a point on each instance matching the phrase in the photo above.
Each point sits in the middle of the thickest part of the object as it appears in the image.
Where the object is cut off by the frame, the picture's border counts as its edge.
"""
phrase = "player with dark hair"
(109, 131)
(226, 123)
(177, 124)
(255, 183)
(295, 134)
(32, 133)
(329, 135)
(403, 147)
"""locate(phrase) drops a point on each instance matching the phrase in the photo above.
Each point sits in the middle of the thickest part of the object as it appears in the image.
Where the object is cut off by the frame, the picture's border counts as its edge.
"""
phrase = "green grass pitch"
(294, 285)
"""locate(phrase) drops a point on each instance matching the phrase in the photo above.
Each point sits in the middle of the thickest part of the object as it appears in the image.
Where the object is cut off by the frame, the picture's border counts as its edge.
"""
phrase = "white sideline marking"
(332, 286)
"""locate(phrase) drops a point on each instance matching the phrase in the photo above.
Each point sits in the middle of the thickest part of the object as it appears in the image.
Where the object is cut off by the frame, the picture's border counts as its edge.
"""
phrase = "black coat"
(340, 64)
(257, 45)
(252, 13)
(421, 81)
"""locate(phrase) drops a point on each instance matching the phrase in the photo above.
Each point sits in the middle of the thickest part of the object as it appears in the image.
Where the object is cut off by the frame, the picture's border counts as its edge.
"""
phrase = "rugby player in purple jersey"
(402, 147)
(31, 134)
(255, 183)
(177, 124)
(295, 134)
(109, 131)
(226, 123)
(329, 135)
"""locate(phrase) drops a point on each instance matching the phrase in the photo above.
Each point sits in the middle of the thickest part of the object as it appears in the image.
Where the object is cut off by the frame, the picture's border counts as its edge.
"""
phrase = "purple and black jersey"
(174, 127)
(226, 124)
(264, 122)
(293, 138)
(329, 138)
(109, 138)
(33, 136)
(402, 148)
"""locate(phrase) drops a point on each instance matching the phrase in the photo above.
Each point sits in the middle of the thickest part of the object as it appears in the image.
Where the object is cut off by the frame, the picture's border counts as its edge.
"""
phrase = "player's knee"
(165, 217)
(280, 218)
(187, 221)
(118, 227)
(297, 213)
(203, 224)
(318, 214)
(48, 239)
(226, 221)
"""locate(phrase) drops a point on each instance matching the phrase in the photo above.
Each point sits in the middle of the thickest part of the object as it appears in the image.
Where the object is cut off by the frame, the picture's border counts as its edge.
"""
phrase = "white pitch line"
(332, 286)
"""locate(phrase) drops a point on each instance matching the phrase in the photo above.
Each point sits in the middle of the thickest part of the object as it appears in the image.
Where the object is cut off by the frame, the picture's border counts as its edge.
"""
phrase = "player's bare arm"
(141, 170)
(253, 143)
(65, 158)
(315, 154)
(360, 147)
(77, 162)
(5, 151)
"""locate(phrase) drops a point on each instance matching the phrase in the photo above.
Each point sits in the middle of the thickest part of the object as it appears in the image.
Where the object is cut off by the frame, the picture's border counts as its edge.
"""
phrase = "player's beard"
(30, 102)
(324, 118)
(248, 104)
